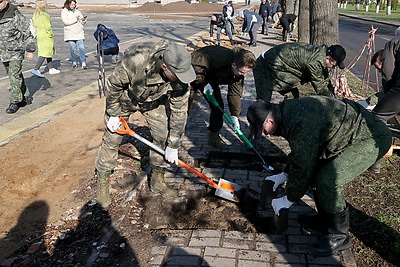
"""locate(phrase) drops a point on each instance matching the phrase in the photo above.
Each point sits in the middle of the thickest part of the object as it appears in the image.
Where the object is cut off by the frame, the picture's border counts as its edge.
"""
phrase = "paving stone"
(270, 238)
(332, 260)
(206, 233)
(156, 260)
(302, 239)
(239, 235)
(348, 258)
(183, 260)
(218, 262)
(240, 244)
(293, 230)
(159, 250)
(247, 263)
(299, 248)
(204, 241)
(271, 247)
(253, 255)
(178, 251)
(176, 238)
(288, 265)
(290, 258)
(220, 252)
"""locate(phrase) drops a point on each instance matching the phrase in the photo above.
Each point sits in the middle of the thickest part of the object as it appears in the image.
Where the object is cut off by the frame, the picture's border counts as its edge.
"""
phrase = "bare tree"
(304, 21)
(324, 22)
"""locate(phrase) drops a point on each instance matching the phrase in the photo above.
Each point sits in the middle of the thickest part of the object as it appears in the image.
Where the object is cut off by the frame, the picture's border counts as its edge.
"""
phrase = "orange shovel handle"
(130, 132)
(202, 176)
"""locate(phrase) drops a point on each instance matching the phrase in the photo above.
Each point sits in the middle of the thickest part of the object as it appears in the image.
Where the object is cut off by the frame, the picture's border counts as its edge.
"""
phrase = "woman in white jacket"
(73, 31)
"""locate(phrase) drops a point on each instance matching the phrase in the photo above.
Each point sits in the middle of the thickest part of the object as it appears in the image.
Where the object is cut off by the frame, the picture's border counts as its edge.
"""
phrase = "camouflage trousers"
(18, 89)
(157, 121)
(265, 86)
(357, 158)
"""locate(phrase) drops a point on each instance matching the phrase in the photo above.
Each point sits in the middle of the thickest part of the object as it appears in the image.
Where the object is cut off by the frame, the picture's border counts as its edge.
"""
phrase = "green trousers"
(18, 89)
(357, 158)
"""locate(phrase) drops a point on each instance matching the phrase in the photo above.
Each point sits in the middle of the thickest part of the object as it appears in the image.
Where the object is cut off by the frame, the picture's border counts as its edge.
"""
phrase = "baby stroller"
(107, 44)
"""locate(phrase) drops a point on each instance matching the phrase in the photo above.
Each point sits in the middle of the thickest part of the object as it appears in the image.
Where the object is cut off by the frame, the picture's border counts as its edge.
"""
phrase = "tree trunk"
(389, 7)
(289, 6)
(304, 21)
(324, 22)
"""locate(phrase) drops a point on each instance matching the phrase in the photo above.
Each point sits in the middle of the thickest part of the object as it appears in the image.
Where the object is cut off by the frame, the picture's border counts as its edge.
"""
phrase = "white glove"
(171, 155)
(278, 179)
(280, 203)
(236, 124)
(113, 124)
(370, 107)
(208, 89)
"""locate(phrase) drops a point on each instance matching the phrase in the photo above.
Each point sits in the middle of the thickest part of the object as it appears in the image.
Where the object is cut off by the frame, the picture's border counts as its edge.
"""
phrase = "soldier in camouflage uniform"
(15, 39)
(332, 141)
(285, 66)
(150, 78)
(216, 65)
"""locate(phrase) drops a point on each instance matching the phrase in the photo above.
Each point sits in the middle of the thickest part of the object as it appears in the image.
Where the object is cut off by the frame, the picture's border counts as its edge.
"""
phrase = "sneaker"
(74, 65)
(53, 71)
(84, 65)
(37, 73)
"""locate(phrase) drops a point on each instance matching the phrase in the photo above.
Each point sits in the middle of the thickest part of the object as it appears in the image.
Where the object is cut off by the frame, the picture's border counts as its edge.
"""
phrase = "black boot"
(315, 222)
(337, 237)
(12, 108)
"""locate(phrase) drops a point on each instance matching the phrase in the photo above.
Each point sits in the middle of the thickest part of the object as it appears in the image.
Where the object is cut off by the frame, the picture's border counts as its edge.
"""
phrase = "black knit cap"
(256, 115)
(338, 53)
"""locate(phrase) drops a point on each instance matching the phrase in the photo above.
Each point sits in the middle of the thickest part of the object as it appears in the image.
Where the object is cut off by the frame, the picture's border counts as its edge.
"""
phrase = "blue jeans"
(81, 47)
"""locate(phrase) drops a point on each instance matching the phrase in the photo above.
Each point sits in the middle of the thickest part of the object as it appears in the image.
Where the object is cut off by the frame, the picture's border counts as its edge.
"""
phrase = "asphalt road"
(353, 34)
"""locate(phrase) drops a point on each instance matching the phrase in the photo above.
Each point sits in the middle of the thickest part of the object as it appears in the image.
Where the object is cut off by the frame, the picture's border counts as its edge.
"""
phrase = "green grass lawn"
(350, 9)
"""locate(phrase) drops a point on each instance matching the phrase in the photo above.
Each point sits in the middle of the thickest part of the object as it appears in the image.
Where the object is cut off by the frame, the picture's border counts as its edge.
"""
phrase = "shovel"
(213, 101)
(224, 188)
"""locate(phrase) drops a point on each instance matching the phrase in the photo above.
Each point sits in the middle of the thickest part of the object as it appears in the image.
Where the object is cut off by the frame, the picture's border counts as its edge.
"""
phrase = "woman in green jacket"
(45, 38)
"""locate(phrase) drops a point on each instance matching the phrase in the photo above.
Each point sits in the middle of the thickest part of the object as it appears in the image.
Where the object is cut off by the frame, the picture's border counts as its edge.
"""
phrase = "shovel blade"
(226, 190)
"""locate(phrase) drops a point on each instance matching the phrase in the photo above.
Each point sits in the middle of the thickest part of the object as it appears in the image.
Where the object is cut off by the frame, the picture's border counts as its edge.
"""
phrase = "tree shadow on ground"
(181, 257)
(30, 226)
(376, 235)
(92, 240)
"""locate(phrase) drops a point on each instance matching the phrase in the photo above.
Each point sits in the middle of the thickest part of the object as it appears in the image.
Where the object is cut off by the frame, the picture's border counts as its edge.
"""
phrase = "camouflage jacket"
(15, 36)
(292, 64)
(213, 65)
(319, 128)
(136, 84)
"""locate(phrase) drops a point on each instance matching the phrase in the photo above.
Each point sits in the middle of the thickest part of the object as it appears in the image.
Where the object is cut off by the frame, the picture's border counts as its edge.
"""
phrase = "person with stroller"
(108, 41)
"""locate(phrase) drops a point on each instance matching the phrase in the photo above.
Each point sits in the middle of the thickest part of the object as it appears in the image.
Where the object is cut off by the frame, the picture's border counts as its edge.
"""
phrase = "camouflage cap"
(256, 115)
(179, 61)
